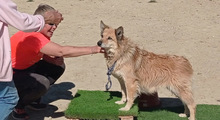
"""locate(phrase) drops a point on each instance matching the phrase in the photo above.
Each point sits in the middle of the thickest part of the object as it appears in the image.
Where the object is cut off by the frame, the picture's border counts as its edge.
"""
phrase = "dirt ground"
(188, 28)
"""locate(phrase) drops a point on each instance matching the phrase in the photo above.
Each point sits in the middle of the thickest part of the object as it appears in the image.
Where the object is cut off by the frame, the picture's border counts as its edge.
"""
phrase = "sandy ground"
(188, 28)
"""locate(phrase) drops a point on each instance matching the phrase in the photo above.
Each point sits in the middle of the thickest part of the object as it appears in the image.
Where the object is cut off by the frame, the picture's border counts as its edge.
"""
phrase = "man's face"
(48, 30)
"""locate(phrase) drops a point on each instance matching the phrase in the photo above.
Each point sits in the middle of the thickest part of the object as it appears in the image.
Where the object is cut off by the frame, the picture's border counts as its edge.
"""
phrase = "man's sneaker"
(37, 106)
(19, 114)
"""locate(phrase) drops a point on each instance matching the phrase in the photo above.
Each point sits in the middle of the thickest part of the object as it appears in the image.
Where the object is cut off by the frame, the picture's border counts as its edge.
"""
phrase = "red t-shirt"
(25, 48)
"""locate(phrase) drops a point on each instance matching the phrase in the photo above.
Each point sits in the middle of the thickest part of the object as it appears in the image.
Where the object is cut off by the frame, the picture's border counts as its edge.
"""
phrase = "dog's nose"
(99, 43)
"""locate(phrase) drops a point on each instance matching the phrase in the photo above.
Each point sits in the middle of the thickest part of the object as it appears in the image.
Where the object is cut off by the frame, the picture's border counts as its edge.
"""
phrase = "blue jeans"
(8, 99)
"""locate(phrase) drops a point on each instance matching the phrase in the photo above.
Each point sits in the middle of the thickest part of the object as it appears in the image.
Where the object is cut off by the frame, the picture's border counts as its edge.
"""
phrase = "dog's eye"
(109, 38)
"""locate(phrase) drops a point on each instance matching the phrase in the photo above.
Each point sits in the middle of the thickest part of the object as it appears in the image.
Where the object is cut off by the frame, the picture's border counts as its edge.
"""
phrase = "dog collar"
(109, 73)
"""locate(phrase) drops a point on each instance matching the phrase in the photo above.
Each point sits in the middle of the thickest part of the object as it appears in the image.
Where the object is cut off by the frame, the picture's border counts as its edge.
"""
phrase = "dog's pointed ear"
(102, 26)
(119, 33)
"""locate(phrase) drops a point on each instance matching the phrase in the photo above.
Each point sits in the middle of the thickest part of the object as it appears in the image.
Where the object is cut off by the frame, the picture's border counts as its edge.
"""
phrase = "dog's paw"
(182, 115)
(124, 109)
(119, 102)
(191, 118)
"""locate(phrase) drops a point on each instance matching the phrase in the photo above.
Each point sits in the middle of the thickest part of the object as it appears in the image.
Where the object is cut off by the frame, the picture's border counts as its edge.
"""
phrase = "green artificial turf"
(208, 112)
(203, 112)
(97, 105)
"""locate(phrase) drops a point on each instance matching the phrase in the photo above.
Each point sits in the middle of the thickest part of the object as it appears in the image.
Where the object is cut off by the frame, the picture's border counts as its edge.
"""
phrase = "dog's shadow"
(169, 104)
(56, 92)
(113, 94)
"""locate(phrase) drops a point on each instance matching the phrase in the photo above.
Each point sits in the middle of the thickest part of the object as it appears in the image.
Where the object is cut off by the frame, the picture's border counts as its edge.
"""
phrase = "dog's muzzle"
(99, 43)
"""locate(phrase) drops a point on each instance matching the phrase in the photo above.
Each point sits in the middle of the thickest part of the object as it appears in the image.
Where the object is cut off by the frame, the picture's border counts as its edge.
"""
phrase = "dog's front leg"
(131, 90)
(123, 92)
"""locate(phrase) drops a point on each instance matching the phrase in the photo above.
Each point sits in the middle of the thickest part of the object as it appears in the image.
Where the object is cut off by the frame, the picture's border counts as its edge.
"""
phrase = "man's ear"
(119, 33)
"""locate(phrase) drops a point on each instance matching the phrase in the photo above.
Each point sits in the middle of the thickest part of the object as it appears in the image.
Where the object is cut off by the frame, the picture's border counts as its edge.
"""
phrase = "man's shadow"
(56, 92)
(59, 91)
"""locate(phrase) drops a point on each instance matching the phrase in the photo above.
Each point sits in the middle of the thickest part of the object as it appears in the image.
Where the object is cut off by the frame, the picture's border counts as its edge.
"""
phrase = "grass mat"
(101, 105)
(203, 112)
(97, 105)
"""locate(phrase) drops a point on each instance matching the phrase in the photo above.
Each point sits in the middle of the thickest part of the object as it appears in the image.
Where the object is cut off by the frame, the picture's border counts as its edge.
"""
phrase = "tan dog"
(140, 71)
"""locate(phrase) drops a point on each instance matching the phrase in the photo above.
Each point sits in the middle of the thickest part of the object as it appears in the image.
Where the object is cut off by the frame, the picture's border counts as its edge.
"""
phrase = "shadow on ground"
(168, 104)
(56, 92)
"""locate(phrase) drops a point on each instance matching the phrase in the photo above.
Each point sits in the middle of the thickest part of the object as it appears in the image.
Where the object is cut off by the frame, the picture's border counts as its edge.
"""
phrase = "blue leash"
(110, 70)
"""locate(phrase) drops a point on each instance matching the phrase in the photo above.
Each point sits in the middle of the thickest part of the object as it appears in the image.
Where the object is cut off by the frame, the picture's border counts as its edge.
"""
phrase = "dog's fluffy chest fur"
(128, 59)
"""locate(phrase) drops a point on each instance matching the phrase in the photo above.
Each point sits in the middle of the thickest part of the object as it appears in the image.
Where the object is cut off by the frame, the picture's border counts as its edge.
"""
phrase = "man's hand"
(53, 17)
(97, 49)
